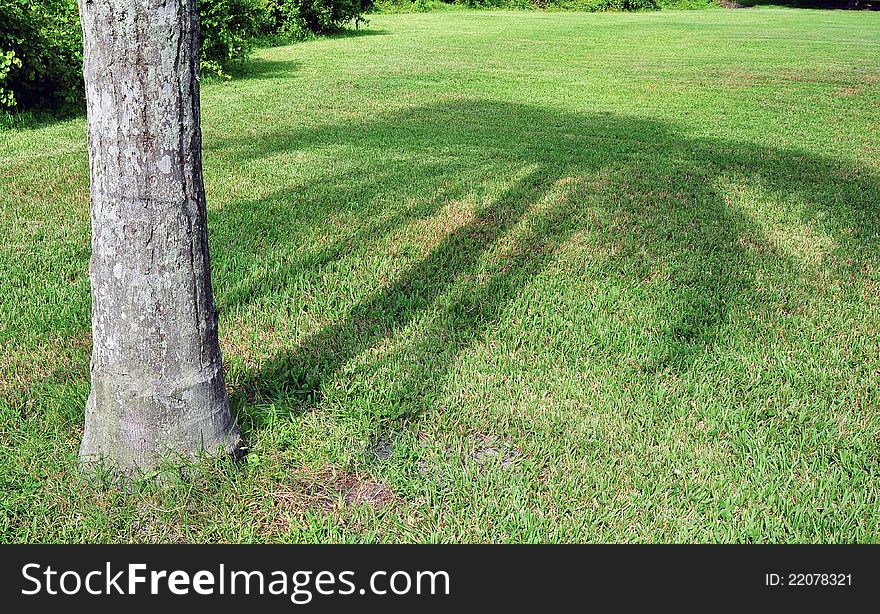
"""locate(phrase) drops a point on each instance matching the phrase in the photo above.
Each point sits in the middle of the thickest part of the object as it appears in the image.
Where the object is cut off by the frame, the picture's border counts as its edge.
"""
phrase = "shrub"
(8, 64)
(41, 47)
(604, 5)
(568, 5)
(282, 18)
(228, 30)
(641, 5)
(687, 4)
(40, 53)
(295, 18)
(406, 6)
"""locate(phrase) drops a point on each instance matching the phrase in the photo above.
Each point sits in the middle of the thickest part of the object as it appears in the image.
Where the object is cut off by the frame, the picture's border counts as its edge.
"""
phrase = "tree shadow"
(261, 68)
(647, 200)
(38, 119)
(357, 32)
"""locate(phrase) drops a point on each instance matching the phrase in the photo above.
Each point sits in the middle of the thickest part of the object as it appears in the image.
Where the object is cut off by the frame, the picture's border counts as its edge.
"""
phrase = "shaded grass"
(499, 277)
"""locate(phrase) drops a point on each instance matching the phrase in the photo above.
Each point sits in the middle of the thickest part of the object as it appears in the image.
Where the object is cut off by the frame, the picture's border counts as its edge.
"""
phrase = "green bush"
(567, 5)
(687, 4)
(228, 30)
(41, 47)
(499, 4)
(407, 6)
(8, 64)
(40, 53)
(621, 5)
(282, 19)
(296, 18)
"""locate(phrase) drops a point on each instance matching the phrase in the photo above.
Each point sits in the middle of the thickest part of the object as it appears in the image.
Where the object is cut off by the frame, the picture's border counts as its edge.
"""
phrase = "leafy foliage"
(605, 5)
(411, 6)
(41, 41)
(40, 53)
(406, 6)
(228, 28)
(296, 18)
(8, 63)
(687, 4)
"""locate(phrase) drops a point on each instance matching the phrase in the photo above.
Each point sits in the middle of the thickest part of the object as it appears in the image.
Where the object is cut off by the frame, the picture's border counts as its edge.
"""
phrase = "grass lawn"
(498, 277)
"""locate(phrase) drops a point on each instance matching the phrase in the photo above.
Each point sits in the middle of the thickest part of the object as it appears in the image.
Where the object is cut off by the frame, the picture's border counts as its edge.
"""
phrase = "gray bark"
(157, 380)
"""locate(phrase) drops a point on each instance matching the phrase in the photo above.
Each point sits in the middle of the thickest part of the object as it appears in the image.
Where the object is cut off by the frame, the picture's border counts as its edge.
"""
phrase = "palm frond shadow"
(645, 194)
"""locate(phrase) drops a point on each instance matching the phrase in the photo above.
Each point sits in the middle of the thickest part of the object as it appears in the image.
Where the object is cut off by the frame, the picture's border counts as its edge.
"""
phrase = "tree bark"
(157, 380)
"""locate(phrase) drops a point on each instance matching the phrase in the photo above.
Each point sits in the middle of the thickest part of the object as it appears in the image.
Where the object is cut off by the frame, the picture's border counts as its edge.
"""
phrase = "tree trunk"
(157, 380)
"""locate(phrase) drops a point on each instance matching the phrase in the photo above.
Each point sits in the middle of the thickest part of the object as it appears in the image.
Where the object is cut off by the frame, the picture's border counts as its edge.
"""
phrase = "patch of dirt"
(325, 491)
(488, 449)
(484, 450)
(356, 491)
(383, 450)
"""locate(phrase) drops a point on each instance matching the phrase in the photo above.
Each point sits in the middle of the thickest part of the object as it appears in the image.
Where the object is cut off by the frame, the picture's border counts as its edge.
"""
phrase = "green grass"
(498, 277)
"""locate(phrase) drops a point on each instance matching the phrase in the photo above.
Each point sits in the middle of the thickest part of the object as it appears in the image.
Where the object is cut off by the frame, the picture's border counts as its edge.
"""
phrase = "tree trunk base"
(132, 427)
(157, 379)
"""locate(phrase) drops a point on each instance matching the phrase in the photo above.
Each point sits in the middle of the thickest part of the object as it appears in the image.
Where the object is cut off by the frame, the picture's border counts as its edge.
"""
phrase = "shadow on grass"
(40, 118)
(642, 198)
(357, 32)
(260, 68)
